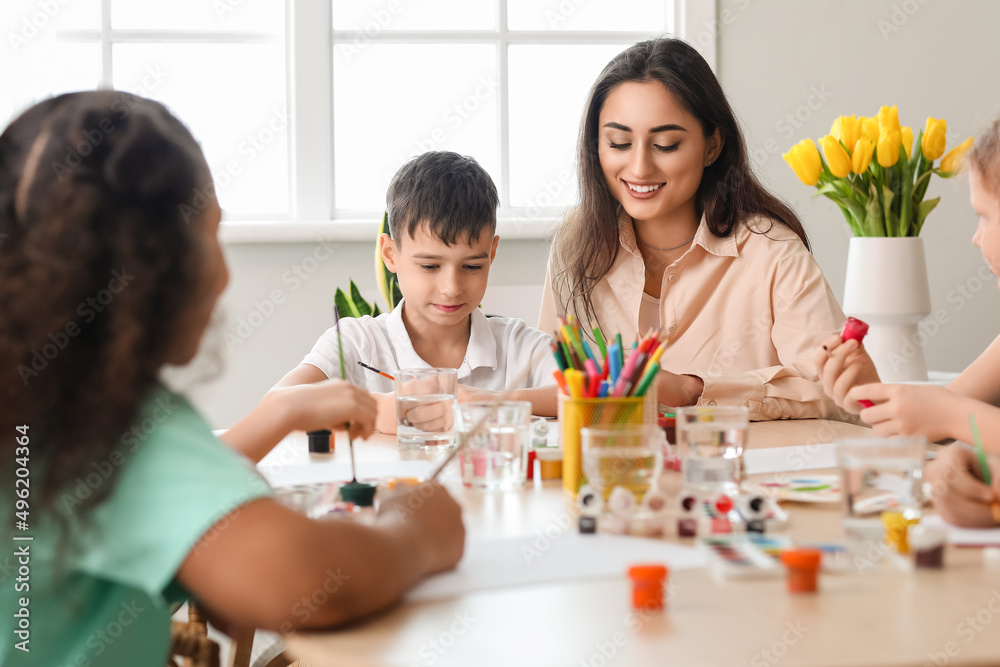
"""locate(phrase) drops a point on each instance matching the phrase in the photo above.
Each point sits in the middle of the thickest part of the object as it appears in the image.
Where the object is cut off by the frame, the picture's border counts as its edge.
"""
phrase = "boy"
(442, 224)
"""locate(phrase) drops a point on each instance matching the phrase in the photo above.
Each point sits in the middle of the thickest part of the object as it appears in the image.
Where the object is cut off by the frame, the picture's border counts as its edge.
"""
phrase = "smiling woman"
(674, 232)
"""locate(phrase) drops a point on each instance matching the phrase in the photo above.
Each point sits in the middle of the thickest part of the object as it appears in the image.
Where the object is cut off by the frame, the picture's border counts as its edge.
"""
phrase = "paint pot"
(803, 569)
(927, 543)
(648, 582)
(550, 462)
(361, 494)
(319, 441)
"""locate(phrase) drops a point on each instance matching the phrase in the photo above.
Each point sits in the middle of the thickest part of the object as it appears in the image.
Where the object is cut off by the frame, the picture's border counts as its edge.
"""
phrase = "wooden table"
(942, 617)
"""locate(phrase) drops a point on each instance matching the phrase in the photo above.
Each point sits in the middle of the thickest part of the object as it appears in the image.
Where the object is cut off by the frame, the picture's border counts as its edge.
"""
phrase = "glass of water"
(710, 441)
(880, 475)
(425, 407)
(495, 456)
(630, 456)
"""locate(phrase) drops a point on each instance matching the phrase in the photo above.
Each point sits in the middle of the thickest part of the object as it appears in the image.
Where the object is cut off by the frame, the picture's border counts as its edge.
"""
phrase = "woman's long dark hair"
(97, 265)
(729, 194)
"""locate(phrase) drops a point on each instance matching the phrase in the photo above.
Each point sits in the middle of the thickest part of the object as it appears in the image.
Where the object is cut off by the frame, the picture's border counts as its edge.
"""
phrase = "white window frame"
(309, 44)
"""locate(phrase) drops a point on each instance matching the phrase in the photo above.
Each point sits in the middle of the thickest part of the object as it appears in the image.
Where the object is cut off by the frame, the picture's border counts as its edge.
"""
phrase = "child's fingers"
(844, 383)
(834, 366)
(822, 353)
(875, 392)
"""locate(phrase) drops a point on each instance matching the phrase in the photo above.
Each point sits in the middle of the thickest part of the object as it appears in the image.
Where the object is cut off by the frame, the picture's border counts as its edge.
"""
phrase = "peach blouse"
(744, 313)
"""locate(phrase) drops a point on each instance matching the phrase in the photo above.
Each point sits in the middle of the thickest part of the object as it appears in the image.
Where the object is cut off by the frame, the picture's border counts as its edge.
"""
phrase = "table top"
(860, 617)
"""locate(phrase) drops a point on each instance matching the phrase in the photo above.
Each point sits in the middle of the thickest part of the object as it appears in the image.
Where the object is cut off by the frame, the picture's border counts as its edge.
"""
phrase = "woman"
(673, 231)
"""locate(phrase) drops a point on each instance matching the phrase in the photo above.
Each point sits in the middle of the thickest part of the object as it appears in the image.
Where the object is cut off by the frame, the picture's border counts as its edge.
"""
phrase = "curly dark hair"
(97, 261)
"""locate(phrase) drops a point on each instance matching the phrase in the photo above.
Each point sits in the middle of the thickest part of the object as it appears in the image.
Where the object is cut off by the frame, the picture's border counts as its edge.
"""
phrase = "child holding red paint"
(939, 413)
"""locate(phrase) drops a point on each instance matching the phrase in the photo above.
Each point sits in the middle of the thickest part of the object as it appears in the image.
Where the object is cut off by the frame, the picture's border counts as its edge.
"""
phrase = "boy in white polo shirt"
(442, 224)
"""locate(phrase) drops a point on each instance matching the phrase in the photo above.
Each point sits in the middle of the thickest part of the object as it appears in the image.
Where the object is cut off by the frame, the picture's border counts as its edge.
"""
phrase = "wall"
(789, 68)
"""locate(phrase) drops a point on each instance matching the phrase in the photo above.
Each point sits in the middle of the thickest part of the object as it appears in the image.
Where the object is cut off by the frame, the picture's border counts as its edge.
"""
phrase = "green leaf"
(375, 311)
(873, 216)
(905, 198)
(344, 304)
(889, 216)
(360, 305)
(920, 187)
(917, 152)
(923, 209)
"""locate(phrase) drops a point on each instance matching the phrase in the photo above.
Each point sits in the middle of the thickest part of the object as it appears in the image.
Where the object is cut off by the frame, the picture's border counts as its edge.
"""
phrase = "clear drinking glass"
(710, 442)
(880, 475)
(496, 456)
(425, 407)
(627, 456)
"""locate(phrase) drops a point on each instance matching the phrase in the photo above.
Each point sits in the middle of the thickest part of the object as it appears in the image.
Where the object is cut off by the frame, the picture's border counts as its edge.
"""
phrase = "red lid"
(805, 558)
(854, 329)
(723, 504)
(650, 573)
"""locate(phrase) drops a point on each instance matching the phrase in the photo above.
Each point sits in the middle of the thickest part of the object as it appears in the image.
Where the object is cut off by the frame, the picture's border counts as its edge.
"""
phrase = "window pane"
(610, 15)
(238, 113)
(24, 21)
(375, 16)
(44, 68)
(394, 103)
(545, 113)
(245, 15)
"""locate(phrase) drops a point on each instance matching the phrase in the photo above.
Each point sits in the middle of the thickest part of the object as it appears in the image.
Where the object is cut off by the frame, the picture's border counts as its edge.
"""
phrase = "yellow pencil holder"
(578, 413)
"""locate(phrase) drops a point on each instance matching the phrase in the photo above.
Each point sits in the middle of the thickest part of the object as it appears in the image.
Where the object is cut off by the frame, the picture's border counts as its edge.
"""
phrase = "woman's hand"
(678, 390)
(906, 409)
(841, 366)
(960, 496)
(331, 404)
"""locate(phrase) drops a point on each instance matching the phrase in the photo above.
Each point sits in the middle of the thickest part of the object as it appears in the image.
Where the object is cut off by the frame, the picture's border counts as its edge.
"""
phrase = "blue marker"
(614, 362)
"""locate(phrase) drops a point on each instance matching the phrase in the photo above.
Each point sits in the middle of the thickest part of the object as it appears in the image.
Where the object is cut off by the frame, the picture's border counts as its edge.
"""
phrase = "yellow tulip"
(862, 156)
(934, 138)
(804, 160)
(888, 119)
(907, 135)
(845, 129)
(952, 162)
(837, 158)
(868, 127)
(887, 151)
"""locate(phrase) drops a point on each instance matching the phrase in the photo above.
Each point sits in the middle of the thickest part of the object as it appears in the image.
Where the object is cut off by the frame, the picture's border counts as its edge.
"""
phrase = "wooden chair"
(190, 646)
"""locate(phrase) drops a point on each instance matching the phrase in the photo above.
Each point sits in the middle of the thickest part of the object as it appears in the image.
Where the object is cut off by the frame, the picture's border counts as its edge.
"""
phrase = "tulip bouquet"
(873, 174)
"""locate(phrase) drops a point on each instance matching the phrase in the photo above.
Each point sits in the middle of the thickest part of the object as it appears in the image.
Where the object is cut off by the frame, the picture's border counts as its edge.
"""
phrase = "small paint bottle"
(927, 543)
(550, 462)
(803, 569)
(319, 444)
(648, 582)
(590, 503)
(687, 523)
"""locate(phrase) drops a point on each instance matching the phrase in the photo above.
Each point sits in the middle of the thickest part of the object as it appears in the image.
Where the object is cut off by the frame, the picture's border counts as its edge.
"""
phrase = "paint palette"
(799, 489)
(744, 556)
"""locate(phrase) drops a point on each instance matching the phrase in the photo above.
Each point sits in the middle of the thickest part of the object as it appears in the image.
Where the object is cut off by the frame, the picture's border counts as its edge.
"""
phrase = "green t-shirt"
(106, 599)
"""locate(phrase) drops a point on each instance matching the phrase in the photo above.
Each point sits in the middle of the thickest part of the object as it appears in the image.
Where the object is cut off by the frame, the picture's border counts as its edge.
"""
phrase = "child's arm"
(980, 379)
(934, 412)
(330, 404)
(269, 567)
(544, 401)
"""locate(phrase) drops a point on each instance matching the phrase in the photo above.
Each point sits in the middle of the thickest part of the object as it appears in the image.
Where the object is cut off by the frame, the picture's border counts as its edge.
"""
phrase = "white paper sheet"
(790, 459)
(540, 559)
(965, 537)
(324, 471)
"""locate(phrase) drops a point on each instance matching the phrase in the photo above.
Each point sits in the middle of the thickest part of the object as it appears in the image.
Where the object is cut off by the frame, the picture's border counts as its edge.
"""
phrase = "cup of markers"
(603, 386)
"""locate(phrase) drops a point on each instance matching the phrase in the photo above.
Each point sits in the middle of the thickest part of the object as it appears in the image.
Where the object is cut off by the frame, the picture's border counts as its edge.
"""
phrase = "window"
(306, 108)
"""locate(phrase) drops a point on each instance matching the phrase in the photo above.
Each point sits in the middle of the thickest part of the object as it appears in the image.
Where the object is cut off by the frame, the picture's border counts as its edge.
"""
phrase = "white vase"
(887, 287)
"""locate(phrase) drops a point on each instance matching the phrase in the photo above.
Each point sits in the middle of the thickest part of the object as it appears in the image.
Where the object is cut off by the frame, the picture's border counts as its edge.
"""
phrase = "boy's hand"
(959, 494)
(431, 519)
(331, 404)
(905, 409)
(841, 366)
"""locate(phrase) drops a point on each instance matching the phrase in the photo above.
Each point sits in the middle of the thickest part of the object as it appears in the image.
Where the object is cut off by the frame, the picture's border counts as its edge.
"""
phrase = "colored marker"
(855, 329)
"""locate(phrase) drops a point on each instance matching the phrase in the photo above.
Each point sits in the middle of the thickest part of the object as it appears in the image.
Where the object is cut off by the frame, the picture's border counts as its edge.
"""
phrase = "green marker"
(599, 337)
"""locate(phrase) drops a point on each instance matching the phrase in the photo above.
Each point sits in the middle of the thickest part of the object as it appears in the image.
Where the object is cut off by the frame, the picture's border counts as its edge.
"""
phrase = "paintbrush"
(984, 468)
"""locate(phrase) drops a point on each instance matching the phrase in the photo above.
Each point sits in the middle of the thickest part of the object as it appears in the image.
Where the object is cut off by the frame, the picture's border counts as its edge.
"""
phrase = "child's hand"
(471, 394)
(678, 390)
(331, 404)
(842, 365)
(960, 496)
(431, 520)
(906, 409)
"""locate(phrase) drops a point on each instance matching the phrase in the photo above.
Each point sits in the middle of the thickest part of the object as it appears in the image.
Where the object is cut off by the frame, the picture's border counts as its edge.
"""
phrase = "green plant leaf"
(360, 305)
(905, 198)
(344, 304)
(923, 208)
(375, 311)
(873, 216)
(888, 215)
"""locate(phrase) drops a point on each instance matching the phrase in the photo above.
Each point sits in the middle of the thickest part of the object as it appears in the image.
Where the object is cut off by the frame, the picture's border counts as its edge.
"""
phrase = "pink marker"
(855, 329)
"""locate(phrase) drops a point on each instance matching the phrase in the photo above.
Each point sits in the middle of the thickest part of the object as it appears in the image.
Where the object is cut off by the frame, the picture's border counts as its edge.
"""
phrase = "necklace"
(666, 249)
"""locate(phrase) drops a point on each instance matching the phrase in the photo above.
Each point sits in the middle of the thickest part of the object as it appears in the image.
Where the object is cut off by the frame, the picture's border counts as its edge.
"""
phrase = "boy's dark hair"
(450, 193)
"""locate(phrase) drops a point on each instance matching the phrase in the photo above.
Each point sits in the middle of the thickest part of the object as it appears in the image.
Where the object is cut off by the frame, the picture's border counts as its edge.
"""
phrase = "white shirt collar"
(481, 352)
